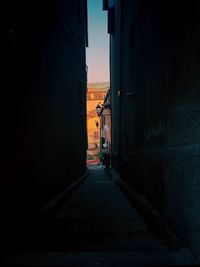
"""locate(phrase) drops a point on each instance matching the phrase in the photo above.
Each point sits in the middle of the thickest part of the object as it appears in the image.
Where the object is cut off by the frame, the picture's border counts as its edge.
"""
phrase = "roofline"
(86, 24)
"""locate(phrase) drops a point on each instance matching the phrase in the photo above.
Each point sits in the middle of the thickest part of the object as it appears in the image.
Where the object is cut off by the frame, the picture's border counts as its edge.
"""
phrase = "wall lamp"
(98, 109)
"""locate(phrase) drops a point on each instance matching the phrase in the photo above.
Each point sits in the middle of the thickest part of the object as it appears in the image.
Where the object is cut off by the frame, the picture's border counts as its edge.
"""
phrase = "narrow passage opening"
(98, 87)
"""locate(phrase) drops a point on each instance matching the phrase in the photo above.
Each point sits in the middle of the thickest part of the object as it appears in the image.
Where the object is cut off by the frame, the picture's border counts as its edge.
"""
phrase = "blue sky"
(98, 50)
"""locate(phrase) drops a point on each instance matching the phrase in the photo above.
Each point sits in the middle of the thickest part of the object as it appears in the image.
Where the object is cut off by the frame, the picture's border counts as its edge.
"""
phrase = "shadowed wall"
(43, 107)
(155, 106)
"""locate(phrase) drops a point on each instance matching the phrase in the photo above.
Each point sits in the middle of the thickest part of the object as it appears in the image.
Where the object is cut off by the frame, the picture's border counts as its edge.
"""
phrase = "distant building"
(95, 96)
(105, 116)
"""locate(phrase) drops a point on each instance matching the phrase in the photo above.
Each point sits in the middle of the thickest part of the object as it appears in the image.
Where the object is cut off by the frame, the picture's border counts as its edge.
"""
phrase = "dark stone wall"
(43, 104)
(160, 108)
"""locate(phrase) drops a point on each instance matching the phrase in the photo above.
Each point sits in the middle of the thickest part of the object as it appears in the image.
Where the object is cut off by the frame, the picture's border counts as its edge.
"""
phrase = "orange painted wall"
(94, 96)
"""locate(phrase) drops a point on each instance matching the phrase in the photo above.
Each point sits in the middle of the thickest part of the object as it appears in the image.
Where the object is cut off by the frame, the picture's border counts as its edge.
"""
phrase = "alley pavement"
(98, 226)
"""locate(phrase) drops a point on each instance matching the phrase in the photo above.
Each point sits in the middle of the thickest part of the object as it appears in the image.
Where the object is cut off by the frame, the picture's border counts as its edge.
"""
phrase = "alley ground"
(98, 226)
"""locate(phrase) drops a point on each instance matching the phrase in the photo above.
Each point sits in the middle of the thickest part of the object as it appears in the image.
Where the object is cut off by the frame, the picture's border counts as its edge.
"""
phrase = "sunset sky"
(98, 50)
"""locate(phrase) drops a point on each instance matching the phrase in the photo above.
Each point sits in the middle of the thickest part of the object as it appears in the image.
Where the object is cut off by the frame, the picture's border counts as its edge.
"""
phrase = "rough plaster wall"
(128, 82)
(44, 74)
(115, 57)
(182, 133)
(171, 122)
(165, 163)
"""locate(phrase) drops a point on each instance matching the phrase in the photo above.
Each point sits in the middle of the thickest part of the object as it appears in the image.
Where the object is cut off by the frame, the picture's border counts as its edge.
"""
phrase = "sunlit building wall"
(95, 96)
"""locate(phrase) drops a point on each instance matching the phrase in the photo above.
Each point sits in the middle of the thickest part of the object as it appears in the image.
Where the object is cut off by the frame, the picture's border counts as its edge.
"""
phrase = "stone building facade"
(155, 81)
(95, 96)
(43, 112)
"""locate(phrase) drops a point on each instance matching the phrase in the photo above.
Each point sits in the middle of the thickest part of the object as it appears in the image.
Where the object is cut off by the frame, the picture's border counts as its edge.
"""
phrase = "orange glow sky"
(98, 51)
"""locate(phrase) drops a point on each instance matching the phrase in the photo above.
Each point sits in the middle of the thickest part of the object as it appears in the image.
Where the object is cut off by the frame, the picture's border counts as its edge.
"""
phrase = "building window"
(96, 135)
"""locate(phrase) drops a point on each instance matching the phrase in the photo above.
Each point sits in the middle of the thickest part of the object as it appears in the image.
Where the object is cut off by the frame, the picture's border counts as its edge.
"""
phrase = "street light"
(98, 109)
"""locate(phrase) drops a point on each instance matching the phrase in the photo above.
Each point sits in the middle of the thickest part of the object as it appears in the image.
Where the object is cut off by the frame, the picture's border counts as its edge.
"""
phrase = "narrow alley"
(97, 225)
(113, 83)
